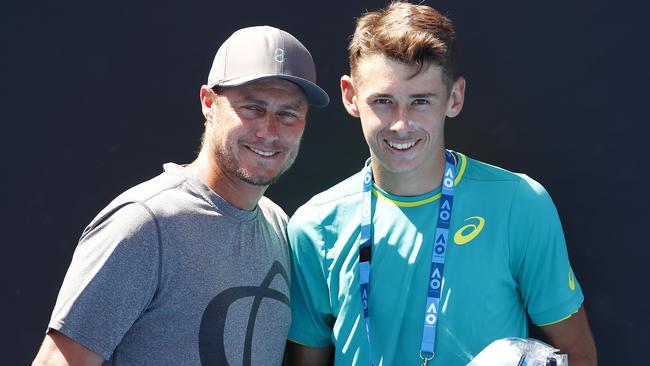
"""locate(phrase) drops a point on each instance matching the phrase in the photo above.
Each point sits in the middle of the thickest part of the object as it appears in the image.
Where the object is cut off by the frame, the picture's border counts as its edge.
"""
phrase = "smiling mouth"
(401, 146)
(262, 153)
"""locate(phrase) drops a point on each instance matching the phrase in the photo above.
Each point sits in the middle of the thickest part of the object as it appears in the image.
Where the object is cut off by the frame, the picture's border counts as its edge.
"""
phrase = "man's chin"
(257, 180)
(263, 175)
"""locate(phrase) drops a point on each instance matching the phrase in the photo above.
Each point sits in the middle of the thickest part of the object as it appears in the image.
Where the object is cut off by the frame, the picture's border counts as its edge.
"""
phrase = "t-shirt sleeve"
(311, 314)
(548, 286)
(111, 279)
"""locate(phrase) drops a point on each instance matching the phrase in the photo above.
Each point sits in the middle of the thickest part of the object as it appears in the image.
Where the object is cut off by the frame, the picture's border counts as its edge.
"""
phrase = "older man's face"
(254, 130)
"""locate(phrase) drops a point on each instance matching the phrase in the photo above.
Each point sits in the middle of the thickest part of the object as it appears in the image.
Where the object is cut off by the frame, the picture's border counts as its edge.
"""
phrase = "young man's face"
(254, 130)
(402, 115)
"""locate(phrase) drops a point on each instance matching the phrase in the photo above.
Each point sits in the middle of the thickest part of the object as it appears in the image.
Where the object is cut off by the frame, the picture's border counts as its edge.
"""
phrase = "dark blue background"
(97, 95)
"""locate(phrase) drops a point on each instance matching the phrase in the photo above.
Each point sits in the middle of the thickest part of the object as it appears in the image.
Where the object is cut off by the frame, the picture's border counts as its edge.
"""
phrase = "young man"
(426, 256)
(191, 267)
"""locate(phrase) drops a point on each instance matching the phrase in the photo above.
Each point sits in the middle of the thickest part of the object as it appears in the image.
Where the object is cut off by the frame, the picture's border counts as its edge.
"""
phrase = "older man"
(191, 267)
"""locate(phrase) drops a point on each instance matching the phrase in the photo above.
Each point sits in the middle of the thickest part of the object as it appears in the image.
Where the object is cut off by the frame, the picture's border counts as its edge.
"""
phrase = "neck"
(421, 180)
(235, 191)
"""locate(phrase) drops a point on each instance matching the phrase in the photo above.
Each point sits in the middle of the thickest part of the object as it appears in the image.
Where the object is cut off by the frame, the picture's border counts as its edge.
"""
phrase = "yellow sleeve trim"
(303, 344)
(296, 342)
(557, 321)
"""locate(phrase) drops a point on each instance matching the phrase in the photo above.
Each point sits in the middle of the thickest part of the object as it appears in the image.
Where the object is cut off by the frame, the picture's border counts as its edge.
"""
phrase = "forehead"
(269, 89)
(381, 73)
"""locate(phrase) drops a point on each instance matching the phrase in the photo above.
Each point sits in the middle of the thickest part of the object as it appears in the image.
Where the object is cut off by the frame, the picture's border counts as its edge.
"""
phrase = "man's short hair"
(413, 34)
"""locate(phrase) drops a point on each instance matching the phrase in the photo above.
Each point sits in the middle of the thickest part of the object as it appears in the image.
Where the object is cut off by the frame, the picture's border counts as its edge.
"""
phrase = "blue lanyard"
(437, 256)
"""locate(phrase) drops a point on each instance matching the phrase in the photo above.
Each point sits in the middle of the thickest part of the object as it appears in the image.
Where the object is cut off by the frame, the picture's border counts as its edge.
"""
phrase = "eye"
(421, 102)
(252, 110)
(288, 116)
(252, 107)
(382, 101)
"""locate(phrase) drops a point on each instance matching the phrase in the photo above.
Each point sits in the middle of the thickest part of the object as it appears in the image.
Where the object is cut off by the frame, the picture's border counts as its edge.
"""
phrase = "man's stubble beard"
(227, 163)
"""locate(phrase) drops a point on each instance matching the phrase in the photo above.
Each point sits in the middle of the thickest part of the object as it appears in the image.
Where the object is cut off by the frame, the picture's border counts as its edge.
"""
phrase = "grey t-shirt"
(171, 274)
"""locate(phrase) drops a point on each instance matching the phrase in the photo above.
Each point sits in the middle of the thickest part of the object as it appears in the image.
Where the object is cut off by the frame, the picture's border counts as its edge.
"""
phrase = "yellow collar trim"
(461, 171)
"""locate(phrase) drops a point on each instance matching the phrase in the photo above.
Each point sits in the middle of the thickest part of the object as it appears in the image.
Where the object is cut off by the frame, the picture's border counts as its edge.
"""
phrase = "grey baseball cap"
(264, 52)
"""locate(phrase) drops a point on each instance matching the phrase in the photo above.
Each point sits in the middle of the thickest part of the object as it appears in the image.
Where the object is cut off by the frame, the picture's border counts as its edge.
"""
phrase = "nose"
(268, 128)
(401, 124)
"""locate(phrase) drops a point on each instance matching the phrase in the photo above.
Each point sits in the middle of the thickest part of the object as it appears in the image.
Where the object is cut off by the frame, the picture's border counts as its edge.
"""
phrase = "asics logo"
(469, 231)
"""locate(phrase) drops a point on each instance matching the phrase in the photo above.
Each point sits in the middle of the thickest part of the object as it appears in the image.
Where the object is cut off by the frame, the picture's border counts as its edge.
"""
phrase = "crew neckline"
(192, 177)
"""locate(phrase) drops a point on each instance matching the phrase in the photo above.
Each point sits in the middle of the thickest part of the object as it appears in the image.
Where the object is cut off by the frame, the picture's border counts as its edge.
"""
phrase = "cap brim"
(316, 96)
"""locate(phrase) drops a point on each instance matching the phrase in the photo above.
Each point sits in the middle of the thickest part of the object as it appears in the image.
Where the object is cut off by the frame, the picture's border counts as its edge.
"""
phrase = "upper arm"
(297, 355)
(548, 285)
(311, 312)
(111, 280)
(573, 337)
(539, 258)
(57, 349)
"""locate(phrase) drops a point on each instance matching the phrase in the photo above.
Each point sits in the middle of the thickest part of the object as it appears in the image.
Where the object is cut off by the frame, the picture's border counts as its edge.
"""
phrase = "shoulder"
(524, 200)
(165, 182)
(350, 186)
(477, 170)
(520, 184)
(333, 202)
(147, 190)
(327, 214)
(272, 213)
(138, 205)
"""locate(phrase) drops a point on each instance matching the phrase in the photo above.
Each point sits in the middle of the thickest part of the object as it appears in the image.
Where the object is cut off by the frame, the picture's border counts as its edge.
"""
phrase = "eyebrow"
(293, 107)
(424, 95)
(380, 95)
(290, 106)
(412, 96)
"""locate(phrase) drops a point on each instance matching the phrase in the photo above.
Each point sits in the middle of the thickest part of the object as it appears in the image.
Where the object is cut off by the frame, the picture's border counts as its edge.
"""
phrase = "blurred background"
(96, 96)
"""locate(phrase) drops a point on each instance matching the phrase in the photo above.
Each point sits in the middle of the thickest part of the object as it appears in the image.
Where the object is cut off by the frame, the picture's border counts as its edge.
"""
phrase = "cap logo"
(279, 55)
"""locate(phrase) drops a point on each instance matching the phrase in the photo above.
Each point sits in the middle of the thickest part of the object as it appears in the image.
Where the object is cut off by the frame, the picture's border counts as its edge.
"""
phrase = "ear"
(456, 97)
(207, 99)
(348, 94)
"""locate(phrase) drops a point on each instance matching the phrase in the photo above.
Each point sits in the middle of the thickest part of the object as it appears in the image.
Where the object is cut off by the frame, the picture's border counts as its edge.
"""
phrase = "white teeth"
(261, 152)
(399, 146)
